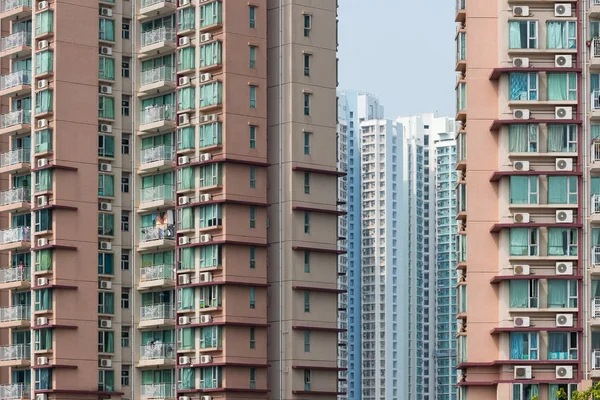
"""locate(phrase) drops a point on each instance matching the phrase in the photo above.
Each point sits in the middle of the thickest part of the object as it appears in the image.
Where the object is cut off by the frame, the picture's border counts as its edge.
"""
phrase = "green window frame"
(252, 378)
(43, 141)
(186, 98)
(44, 102)
(106, 68)
(44, 22)
(106, 264)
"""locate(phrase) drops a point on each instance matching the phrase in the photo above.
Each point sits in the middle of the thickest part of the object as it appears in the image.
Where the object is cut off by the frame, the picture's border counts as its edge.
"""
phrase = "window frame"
(530, 36)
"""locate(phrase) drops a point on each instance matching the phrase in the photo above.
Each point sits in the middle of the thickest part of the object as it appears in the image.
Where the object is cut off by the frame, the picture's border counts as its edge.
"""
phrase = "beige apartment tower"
(188, 149)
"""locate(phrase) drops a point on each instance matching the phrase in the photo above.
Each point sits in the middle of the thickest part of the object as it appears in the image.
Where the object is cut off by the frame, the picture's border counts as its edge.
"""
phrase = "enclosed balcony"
(159, 391)
(15, 122)
(15, 83)
(156, 276)
(18, 355)
(15, 238)
(14, 10)
(157, 158)
(157, 353)
(15, 200)
(157, 81)
(16, 45)
(158, 118)
(595, 312)
(17, 391)
(157, 197)
(595, 104)
(15, 278)
(15, 316)
(15, 161)
(156, 8)
(159, 314)
(157, 41)
(157, 238)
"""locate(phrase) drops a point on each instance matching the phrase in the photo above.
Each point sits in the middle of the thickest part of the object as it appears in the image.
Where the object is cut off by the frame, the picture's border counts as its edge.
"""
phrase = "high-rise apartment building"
(188, 149)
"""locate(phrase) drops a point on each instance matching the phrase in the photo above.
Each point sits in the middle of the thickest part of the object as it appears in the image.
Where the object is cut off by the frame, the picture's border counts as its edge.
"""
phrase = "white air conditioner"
(564, 268)
(212, 117)
(41, 396)
(520, 62)
(564, 320)
(185, 397)
(105, 50)
(185, 360)
(183, 119)
(105, 246)
(523, 372)
(562, 10)
(43, 44)
(104, 167)
(105, 323)
(184, 41)
(105, 128)
(563, 112)
(564, 372)
(205, 197)
(205, 359)
(205, 37)
(521, 114)
(205, 77)
(563, 61)
(106, 12)
(105, 362)
(521, 218)
(42, 83)
(206, 277)
(564, 164)
(42, 162)
(42, 5)
(107, 285)
(42, 201)
(205, 319)
(183, 200)
(183, 240)
(520, 11)
(105, 89)
(184, 279)
(184, 3)
(522, 322)
(521, 269)
(564, 216)
(521, 166)
(205, 238)
(183, 160)
(206, 398)
(184, 320)
(105, 206)
(41, 243)
(205, 156)
(42, 123)
(184, 81)
(41, 321)
(42, 361)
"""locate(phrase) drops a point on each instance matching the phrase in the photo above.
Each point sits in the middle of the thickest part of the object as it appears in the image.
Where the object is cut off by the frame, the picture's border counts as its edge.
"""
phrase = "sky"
(402, 51)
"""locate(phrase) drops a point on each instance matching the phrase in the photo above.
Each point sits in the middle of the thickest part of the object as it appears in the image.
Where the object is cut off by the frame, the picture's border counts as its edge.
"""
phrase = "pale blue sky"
(400, 50)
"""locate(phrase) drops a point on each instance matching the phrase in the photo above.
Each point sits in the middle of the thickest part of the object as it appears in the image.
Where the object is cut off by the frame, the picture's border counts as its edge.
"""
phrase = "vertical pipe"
(280, 205)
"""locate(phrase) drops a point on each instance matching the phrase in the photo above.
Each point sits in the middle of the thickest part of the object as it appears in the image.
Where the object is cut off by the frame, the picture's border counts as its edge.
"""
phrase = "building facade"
(204, 128)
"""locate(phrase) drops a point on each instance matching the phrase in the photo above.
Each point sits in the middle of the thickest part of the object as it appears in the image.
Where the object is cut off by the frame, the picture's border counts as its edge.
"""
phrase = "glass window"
(106, 30)
(562, 190)
(562, 86)
(252, 130)
(43, 102)
(523, 138)
(43, 220)
(307, 261)
(211, 14)
(252, 177)
(106, 264)
(306, 143)
(306, 222)
(307, 182)
(524, 293)
(126, 28)
(252, 297)
(126, 67)
(524, 346)
(523, 86)
(524, 241)
(43, 300)
(307, 301)
(43, 377)
(252, 217)
(186, 19)
(44, 23)
(106, 303)
(561, 34)
(210, 54)
(106, 146)
(106, 107)
(106, 185)
(306, 103)
(252, 56)
(525, 391)
(562, 138)
(210, 135)
(523, 34)
(252, 338)
(43, 141)
(524, 190)
(307, 64)
(211, 94)
(44, 62)
(252, 96)
(307, 24)
(562, 293)
(252, 257)
(43, 180)
(306, 341)
(252, 19)
(562, 345)
(106, 69)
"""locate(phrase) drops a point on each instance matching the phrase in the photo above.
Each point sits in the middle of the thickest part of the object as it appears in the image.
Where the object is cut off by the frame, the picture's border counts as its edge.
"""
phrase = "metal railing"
(596, 359)
(156, 272)
(17, 274)
(595, 101)
(150, 233)
(160, 74)
(15, 313)
(595, 151)
(154, 36)
(157, 311)
(15, 352)
(160, 192)
(148, 3)
(157, 351)
(15, 79)
(15, 157)
(9, 5)
(15, 40)
(158, 391)
(13, 196)
(16, 391)
(19, 234)
(596, 307)
(594, 3)
(159, 153)
(13, 118)
(165, 112)
(595, 256)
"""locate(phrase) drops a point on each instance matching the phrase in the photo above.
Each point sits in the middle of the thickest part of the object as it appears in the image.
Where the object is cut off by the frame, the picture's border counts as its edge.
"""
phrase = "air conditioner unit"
(564, 268)
(562, 10)
(563, 112)
(205, 238)
(107, 285)
(521, 218)
(521, 166)
(185, 398)
(184, 320)
(105, 89)
(104, 167)
(105, 128)
(564, 216)
(523, 372)
(106, 362)
(42, 201)
(185, 360)
(205, 37)
(205, 359)
(184, 41)
(184, 3)
(42, 361)
(521, 62)
(42, 123)
(205, 397)
(183, 200)
(205, 319)
(564, 372)
(564, 164)
(42, 5)
(205, 156)
(522, 322)
(205, 77)
(105, 50)
(563, 61)
(206, 277)
(106, 12)
(184, 81)
(521, 269)
(41, 243)
(212, 117)
(183, 240)
(41, 396)
(183, 119)
(521, 114)
(520, 11)
(41, 321)
(205, 197)
(564, 320)
(105, 246)
(105, 206)
(184, 279)
(183, 160)
(42, 83)
(43, 44)
(105, 323)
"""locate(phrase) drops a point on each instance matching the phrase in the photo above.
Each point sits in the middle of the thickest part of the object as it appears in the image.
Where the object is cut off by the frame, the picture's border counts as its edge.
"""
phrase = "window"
(523, 86)
(252, 177)
(562, 138)
(562, 242)
(106, 224)
(106, 68)
(125, 373)
(524, 346)
(524, 241)
(307, 64)
(125, 143)
(252, 56)
(562, 293)
(106, 107)
(307, 301)
(106, 380)
(125, 336)
(306, 222)
(252, 338)
(125, 101)
(252, 297)
(125, 28)
(306, 103)
(43, 339)
(252, 96)
(252, 378)
(562, 86)
(43, 300)
(125, 221)
(106, 30)
(125, 182)
(44, 62)
(126, 67)
(125, 263)
(524, 190)
(44, 23)
(307, 261)
(562, 190)
(106, 146)
(43, 379)
(106, 303)
(106, 264)
(523, 138)
(44, 102)
(307, 182)
(252, 11)
(106, 342)
(307, 379)
(307, 24)
(306, 143)
(125, 293)
(307, 341)
(561, 34)
(525, 391)
(523, 34)
(252, 217)
(43, 141)
(252, 136)
(524, 293)
(43, 220)
(252, 257)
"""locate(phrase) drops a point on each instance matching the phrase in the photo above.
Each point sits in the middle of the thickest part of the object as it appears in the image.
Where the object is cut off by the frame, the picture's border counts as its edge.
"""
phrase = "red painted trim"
(317, 328)
(54, 247)
(230, 364)
(55, 366)
(226, 201)
(86, 392)
(498, 363)
(54, 326)
(224, 242)
(498, 227)
(318, 289)
(226, 283)
(497, 72)
(501, 278)
(54, 286)
(499, 123)
(317, 393)
(225, 324)
(496, 176)
(314, 367)
(216, 390)
(318, 250)
(55, 207)
(318, 210)
(319, 171)
(534, 329)
(224, 159)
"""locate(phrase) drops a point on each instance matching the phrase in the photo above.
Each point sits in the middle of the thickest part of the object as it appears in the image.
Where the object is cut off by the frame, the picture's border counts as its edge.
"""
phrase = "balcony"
(461, 12)
(157, 197)
(18, 355)
(14, 10)
(16, 45)
(156, 276)
(15, 200)
(155, 8)
(157, 41)
(160, 391)
(157, 80)
(157, 119)
(595, 209)
(15, 161)
(15, 238)
(15, 84)
(157, 238)
(595, 8)
(157, 354)
(15, 122)
(17, 391)
(595, 312)
(15, 316)
(15, 278)
(157, 158)
(160, 314)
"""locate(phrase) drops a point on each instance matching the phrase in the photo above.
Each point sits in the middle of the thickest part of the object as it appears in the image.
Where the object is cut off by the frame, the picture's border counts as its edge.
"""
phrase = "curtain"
(186, 218)
(557, 138)
(209, 256)
(211, 54)
(519, 86)
(43, 101)
(186, 98)
(519, 294)
(106, 69)
(186, 59)
(44, 23)
(557, 35)
(517, 34)
(107, 107)
(558, 241)
(43, 180)
(519, 190)
(43, 141)
(44, 62)
(210, 134)
(210, 215)
(109, 342)
(109, 185)
(211, 94)
(43, 300)
(211, 14)
(186, 338)
(519, 241)
(106, 29)
(186, 178)
(518, 138)
(553, 392)
(557, 293)
(187, 18)
(557, 86)
(187, 378)
(186, 138)
(186, 298)
(187, 258)
(557, 190)
(517, 345)
(43, 260)
(557, 346)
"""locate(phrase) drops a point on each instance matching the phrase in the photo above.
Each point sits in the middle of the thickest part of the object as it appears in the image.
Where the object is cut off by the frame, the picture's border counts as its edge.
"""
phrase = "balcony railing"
(15, 79)
(17, 274)
(15, 40)
(595, 255)
(596, 357)
(13, 118)
(150, 233)
(165, 112)
(596, 307)
(14, 157)
(157, 272)
(158, 391)
(13, 196)
(158, 35)
(595, 102)
(16, 391)
(148, 3)
(160, 74)
(595, 3)
(9, 5)
(160, 153)
(595, 204)
(155, 193)
(15, 352)
(158, 311)
(19, 234)
(15, 313)
(157, 351)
